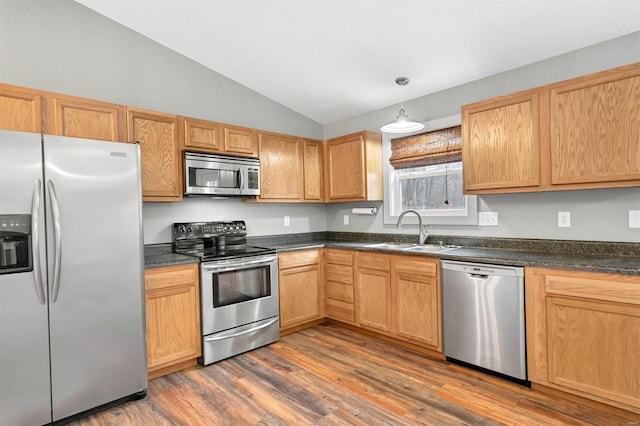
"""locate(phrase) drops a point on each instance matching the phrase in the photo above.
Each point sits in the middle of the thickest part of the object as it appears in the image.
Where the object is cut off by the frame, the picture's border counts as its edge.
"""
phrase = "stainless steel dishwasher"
(483, 317)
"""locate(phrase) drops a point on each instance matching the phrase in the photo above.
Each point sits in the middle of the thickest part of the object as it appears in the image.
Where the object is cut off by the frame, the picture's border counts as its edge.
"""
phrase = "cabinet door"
(582, 334)
(20, 109)
(346, 168)
(84, 118)
(312, 152)
(300, 295)
(173, 316)
(417, 292)
(595, 128)
(280, 167)
(500, 142)
(201, 134)
(373, 296)
(240, 141)
(161, 163)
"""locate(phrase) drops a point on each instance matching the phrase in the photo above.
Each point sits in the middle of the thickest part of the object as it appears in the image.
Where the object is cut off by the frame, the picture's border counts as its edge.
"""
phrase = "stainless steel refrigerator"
(72, 327)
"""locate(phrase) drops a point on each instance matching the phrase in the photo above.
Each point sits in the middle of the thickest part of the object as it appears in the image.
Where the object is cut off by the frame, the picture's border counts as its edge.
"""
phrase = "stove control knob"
(189, 229)
(181, 229)
(227, 228)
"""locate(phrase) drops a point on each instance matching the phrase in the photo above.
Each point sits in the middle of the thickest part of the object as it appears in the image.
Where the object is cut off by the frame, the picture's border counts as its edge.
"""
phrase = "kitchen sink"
(397, 246)
(430, 248)
(418, 248)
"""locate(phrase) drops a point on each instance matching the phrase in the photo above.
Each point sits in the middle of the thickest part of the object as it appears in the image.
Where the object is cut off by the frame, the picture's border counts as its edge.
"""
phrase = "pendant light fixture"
(402, 123)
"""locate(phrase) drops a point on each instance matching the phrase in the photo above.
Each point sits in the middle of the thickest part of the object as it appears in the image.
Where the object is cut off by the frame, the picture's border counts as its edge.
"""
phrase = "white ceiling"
(334, 59)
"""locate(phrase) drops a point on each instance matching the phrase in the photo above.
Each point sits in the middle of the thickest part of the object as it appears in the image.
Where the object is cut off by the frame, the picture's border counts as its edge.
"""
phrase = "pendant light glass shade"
(402, 123)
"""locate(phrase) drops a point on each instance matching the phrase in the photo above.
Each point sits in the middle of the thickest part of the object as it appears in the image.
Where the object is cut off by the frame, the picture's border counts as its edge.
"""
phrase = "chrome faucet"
(424, 234)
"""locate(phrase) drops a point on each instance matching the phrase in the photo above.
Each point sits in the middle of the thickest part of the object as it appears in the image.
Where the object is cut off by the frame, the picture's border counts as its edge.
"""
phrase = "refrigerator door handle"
(57, 254)
(35, 238)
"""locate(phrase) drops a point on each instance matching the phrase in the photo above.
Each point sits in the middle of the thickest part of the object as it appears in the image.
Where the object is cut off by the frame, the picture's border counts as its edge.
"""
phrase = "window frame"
(391, 215)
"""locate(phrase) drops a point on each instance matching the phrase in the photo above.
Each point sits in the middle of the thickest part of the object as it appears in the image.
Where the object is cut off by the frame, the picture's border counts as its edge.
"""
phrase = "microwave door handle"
(240, 179)
(35, 238)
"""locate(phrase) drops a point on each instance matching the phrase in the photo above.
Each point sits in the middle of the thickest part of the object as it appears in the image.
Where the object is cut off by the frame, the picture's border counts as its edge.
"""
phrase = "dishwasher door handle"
(478, 276)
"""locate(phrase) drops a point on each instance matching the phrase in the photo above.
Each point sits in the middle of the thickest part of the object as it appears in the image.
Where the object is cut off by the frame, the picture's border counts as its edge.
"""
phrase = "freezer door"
(98, 351)
(25, 392)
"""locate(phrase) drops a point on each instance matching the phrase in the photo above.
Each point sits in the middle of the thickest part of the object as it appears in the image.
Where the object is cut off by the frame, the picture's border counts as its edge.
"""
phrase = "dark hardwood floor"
(327, 375)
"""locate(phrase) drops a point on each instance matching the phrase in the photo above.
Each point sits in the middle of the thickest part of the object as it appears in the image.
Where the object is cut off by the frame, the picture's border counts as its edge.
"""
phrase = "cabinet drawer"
(419, 267)
(339, 273)
(341, 311)
(339, 291)
(170, 276)
(339, 257)
(588, 285)
(372, 261)
(298, 258)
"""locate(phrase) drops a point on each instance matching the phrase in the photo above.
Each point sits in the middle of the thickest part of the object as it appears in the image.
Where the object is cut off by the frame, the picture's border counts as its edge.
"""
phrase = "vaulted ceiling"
(334, 59)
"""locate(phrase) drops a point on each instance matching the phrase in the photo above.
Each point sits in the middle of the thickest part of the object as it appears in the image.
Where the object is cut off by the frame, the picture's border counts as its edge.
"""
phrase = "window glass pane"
(432, 192)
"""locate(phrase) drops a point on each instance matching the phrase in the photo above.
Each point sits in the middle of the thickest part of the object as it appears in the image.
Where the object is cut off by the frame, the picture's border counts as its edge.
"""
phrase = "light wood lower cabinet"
(173, 318)
(583, 334)
(301, 283)
(400, 296)
(340, 295)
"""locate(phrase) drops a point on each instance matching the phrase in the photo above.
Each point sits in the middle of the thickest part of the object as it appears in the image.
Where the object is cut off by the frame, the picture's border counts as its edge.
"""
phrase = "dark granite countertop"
(609, 257)
(627, 265)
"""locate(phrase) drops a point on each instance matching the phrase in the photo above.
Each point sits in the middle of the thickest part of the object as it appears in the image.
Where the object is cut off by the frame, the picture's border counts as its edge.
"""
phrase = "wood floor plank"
(328, 375)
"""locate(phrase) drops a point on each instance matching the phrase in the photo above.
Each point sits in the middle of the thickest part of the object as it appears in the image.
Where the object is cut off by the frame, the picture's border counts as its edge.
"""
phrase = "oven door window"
(233, 287)
(213, 178)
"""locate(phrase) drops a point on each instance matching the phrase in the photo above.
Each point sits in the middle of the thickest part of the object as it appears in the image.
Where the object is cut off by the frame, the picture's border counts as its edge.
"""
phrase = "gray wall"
(598, 215)
(61, 46)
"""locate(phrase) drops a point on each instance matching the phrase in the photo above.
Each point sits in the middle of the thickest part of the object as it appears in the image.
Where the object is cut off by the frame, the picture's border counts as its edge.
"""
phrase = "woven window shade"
(427, 149)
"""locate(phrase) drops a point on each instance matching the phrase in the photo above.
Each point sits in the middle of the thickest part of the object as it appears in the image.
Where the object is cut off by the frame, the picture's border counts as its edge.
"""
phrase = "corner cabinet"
(583, 334)
(353, 168)
(20, 109)
(173, 318)
(581, 133)
(301, 284)
(157, 134)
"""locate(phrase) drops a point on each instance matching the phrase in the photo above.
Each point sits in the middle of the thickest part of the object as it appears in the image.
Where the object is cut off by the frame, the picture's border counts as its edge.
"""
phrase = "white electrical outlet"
(488, 218)
(634, 218)
(564, 219)
(345, 219)
(287, 221)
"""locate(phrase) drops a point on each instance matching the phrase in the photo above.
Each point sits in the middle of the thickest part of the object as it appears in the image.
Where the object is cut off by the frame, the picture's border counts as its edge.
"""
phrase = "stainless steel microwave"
(219, 175)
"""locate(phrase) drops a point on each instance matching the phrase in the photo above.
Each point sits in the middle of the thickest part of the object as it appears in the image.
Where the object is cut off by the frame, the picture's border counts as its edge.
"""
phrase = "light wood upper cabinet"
(240, 141)
(301, 284)
(312, 155)
(353, 167)
(157, 134)
(83, 118)
(501, 143)
(595, 128)
(173, 318)
(581, 133)
(201, 134)
(583, 334)
(281, 167)
(20, 109)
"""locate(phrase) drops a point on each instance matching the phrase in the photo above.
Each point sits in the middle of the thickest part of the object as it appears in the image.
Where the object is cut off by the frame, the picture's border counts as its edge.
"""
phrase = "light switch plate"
(345, 219)
(287, 221)
(634, 218)
(488, 218)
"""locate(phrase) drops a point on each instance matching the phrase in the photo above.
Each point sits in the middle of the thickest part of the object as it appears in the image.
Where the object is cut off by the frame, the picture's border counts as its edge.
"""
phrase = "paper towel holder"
(364, 210)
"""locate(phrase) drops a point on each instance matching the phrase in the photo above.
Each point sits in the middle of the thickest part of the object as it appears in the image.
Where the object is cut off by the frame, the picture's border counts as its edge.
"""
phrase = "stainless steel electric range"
(238, 287)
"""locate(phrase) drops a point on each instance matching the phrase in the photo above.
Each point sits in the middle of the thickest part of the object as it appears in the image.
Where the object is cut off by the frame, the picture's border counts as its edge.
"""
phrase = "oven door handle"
(251, 330)
(238, 266)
